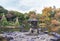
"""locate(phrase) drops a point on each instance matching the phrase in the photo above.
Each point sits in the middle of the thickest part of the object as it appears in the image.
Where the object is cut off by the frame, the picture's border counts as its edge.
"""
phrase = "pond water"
(21, 36)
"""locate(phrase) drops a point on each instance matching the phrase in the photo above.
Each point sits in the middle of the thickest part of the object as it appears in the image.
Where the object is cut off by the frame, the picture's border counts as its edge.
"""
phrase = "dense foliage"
(15, 18)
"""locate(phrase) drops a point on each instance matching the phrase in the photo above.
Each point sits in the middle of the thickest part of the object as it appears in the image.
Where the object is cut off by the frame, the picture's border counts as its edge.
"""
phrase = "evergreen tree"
(17, 22)
(4, 21)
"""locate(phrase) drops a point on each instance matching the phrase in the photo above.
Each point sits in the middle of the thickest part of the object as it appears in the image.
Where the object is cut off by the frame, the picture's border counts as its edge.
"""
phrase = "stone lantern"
(33, 23)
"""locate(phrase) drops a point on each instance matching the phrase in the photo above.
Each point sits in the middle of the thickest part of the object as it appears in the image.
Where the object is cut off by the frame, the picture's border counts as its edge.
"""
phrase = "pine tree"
(17, 22)
(4, 20)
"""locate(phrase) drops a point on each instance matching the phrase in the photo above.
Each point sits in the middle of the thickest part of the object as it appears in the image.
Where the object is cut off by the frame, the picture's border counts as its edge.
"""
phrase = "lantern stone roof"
(31, 19)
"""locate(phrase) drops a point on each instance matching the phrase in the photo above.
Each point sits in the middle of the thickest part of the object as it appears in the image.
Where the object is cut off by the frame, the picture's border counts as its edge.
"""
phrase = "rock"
(21, 36)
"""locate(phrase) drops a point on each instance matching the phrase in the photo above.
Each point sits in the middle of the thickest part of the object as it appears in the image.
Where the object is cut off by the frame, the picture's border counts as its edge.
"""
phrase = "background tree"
(3, 10)
(15, 14)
